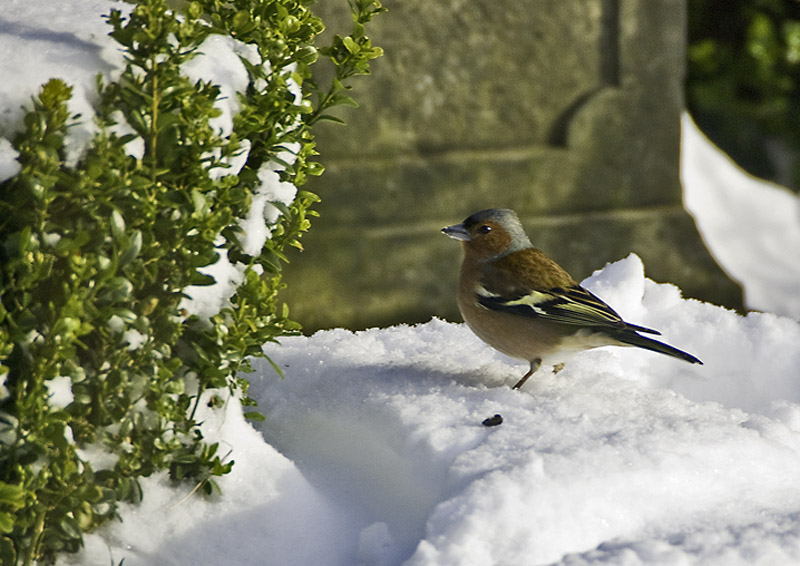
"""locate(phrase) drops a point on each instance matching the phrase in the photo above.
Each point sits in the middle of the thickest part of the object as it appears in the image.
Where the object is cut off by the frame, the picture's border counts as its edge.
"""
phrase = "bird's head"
(490, 234)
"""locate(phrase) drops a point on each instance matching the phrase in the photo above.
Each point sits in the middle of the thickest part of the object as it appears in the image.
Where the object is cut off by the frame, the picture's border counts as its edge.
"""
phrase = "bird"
(521, 302)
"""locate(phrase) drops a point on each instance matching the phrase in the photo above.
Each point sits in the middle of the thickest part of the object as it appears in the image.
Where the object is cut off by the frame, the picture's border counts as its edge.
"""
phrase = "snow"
(9, 166)
(624, 457)
(256, 228)
(207, 300)
(59, 390)
(267, 500)
(41, 40)
(218, 61)
(373, 453)
(751, 226)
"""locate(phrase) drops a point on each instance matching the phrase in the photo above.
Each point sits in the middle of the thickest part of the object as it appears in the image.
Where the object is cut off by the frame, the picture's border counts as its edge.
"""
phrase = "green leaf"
(307, 55)
(6, 522)
(201, 279)
(350, 44)
(117, 225)
(69, 526)
(132, 250)
(8, 555)
(329, 118)
(342, 99)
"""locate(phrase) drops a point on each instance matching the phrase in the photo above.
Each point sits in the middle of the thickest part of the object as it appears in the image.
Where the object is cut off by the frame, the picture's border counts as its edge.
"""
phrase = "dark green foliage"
(97, 259)
(743, 84)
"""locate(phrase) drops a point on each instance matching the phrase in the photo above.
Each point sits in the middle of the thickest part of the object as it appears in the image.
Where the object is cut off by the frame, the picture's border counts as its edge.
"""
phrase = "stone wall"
(567, 111)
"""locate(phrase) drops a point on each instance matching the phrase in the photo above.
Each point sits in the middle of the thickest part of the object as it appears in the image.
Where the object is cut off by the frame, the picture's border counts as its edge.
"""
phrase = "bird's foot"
(535, 363)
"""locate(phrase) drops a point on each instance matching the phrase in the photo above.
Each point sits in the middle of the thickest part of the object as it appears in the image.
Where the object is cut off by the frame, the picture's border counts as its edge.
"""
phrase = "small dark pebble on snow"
(493, 421)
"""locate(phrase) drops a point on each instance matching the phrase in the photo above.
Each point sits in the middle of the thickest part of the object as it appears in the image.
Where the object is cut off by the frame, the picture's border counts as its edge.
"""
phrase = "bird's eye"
(485, 229)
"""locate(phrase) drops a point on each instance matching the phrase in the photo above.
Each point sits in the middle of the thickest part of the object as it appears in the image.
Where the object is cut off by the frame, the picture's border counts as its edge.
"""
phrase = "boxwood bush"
(96, 259)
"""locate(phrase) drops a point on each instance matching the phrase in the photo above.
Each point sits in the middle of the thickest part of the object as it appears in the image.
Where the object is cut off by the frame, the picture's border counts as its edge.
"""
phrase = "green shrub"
(97, 259)
(742, 83)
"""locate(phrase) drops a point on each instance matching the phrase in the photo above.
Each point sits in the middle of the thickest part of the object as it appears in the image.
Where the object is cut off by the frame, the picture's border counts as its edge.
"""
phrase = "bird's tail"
(634, 339)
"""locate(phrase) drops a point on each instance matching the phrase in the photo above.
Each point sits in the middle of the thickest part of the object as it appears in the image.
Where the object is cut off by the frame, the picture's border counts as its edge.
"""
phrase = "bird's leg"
(535, 363)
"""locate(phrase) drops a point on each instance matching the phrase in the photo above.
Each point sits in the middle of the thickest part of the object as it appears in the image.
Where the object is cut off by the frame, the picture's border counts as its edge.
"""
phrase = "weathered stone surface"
(568, 112)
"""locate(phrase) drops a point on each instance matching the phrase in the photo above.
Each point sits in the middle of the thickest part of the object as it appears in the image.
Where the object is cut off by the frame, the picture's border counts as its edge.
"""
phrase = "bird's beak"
(457, 232)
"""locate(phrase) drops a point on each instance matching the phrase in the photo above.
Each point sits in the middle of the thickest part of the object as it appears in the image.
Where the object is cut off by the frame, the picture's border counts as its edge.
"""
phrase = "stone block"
(568, 112)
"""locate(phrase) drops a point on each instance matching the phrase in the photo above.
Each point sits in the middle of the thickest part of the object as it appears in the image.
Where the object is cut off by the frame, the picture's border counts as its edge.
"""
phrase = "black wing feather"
(574, 305)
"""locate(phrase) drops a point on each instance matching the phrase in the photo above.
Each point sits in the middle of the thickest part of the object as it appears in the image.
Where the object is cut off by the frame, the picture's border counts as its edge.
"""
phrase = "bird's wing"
(572, 305)
(528, 283)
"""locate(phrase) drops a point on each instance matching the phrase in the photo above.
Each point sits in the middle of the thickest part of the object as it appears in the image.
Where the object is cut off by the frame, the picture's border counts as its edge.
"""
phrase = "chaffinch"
(522, 303)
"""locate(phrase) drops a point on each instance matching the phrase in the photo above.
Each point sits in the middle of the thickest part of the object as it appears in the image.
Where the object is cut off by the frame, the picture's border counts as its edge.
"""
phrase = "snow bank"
(602, 462)
(751, 226)
(379, 458)
(265, 516)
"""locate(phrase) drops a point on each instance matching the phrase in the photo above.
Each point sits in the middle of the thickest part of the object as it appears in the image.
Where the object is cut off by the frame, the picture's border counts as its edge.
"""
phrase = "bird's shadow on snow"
(485, 377)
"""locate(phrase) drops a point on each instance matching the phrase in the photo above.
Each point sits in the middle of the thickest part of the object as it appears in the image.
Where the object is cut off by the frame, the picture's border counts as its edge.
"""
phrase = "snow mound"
(377, 455)
(608, 460)
(751, 226)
